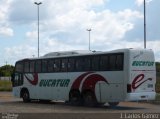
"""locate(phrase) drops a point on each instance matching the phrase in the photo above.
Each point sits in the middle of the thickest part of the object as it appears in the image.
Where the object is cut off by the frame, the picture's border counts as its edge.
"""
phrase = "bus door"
(17, 81)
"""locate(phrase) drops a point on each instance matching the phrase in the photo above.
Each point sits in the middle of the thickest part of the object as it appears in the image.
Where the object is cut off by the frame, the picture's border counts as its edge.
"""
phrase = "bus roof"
(82, 52)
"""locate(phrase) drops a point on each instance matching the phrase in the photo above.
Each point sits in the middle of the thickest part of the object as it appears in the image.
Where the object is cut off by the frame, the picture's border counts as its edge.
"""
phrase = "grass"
(5, 85)
(158, 97)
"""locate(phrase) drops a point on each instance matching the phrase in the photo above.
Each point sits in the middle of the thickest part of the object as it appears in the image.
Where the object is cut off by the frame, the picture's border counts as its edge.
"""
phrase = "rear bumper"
(141, 96)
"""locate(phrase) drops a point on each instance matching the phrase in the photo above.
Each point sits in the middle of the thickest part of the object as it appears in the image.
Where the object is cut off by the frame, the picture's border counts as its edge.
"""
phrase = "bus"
(87, 77)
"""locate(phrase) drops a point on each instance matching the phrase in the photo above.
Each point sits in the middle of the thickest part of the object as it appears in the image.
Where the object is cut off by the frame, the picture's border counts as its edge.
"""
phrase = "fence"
(5, 78)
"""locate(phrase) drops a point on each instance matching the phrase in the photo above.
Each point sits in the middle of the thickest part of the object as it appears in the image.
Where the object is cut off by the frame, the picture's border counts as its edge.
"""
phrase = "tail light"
(129, 88)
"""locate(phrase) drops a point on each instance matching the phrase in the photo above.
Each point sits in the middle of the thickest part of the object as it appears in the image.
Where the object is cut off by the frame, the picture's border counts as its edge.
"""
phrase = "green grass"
(158, 97)
(5, 85)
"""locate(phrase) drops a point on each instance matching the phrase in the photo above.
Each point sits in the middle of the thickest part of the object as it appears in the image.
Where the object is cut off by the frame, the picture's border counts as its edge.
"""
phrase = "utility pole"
(38, 21)
(89, 30)
(144, 24)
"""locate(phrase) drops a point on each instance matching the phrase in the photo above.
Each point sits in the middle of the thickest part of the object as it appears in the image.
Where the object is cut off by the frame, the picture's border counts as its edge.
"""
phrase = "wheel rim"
(26, 96)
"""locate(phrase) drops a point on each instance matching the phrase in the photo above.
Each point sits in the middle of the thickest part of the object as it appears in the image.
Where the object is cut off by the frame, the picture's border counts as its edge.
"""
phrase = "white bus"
(87, 78)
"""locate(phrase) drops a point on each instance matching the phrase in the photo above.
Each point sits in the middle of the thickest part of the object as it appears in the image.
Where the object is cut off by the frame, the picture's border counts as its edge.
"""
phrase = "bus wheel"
(89, 99)
(25, 96)
(75, 98)
(113, 104)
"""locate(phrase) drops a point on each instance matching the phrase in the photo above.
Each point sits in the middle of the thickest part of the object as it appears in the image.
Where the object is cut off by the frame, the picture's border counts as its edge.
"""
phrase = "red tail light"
(129, 88)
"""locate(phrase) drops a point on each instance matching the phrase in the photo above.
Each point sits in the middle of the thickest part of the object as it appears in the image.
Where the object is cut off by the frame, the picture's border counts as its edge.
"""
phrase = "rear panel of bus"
(142, 76)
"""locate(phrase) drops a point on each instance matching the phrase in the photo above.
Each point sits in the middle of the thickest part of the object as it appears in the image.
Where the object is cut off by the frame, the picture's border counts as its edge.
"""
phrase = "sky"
(63, 24)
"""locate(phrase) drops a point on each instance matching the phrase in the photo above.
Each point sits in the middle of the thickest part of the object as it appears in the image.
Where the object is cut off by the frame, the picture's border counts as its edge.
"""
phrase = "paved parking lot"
(11, 105)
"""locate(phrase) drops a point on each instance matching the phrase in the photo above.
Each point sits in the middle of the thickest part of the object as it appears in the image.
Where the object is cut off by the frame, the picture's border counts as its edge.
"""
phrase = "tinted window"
(64, 65)
(71, 64)
(86, 64)
(32, 69)
(119, 62)
(50, 65)
(57, 65)
(19, 67)
(104, 63)
(44, 65)
(112, 62)
(38, 66)
(26, 66)
(79, 64)
(95, 63)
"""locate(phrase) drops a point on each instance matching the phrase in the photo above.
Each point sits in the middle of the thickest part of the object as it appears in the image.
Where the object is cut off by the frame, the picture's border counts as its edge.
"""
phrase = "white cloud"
(31, 34)
(19, 52)
(6, 31)
(64, 27)
(141, 2)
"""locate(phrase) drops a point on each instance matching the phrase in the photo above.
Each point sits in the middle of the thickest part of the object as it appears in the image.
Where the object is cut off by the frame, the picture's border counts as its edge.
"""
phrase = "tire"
(25, 96)
(89, 99)
(113, 104)
(75, 98)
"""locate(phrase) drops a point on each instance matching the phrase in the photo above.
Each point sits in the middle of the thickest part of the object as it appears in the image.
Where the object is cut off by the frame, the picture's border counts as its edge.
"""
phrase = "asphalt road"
(14, 107)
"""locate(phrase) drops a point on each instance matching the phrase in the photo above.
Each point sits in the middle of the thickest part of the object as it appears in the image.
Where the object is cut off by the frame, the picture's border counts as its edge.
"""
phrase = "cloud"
(141, 2)
(31, 35)
(63, 26)
(25, 12)
(19, 52)
(6, 31)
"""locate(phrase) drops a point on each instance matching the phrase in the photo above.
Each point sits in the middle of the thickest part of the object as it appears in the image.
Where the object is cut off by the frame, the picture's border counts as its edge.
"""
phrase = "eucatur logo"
(33, 79)
(138, 81)
(89, 80)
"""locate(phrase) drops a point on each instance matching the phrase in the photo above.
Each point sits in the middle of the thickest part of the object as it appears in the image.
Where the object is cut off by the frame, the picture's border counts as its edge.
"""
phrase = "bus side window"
(95, 63)
(32, 68)
(79, 64)
(51, 65)
(57, 65)
(64, 65)
(112, 62)
(26, 66)
(119, 62)
(38, 66)
(44, 66)
(71, 64)
(87, 64)
(104, 63)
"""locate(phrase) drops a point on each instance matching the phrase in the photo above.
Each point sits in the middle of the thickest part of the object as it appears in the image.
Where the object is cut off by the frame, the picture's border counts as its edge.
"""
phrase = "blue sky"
(115, 24)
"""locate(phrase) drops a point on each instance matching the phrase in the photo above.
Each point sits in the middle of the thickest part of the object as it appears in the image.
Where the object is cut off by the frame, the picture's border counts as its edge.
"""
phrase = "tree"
(158, 66)
(6, 70)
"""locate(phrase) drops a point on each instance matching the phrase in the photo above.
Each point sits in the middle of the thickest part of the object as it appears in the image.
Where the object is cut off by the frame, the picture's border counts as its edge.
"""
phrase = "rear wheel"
(25, 96)
(75, 98)
(89, 99)
(113, 104)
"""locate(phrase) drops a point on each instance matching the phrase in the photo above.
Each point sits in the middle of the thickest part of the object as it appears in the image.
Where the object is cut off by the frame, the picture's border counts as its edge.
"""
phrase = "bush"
(5, 85)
